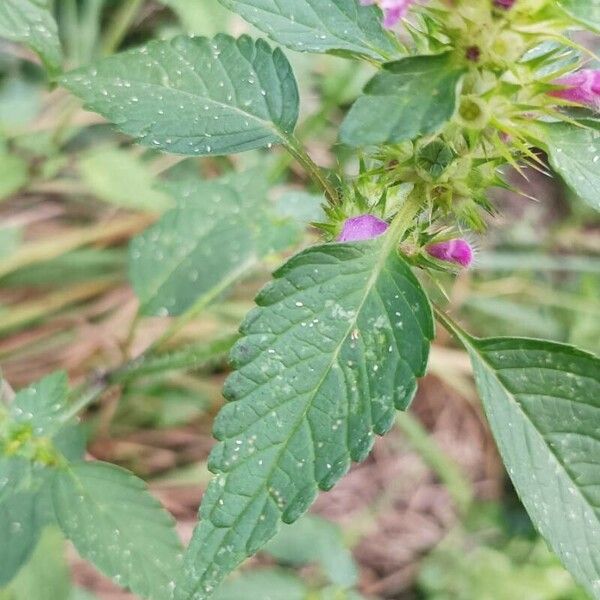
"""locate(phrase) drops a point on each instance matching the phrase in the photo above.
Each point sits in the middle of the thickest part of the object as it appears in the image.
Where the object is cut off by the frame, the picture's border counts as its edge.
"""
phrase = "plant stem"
(189, 357)
(318, 119)
(453, 328)
(87, 397)
(404, 218)
(120, 24)
(68, 19)
(295, 148)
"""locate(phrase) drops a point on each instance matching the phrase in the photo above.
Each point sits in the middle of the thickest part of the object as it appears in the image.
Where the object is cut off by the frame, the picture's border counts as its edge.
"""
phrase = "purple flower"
(582, 87)
(363, 227)
(393, 10)
(457, 251)
(505, 4)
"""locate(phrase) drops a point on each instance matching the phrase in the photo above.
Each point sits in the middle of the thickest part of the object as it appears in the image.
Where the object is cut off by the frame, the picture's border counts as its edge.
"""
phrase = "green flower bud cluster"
(512, 55)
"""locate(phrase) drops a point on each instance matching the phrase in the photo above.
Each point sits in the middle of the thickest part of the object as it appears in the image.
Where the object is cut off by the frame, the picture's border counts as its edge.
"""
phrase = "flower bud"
(456, 251)
(582, 87)
(504, 4)
(363, 227)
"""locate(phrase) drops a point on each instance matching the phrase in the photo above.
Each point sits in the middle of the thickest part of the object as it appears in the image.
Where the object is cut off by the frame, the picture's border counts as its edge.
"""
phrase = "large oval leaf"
(217, 232)
(117, 525)
(410, 97)
(194, 95)
(335, 347)
(542, 400)
(317, 26)
(586, 12)
(31, 22)
(574, 153)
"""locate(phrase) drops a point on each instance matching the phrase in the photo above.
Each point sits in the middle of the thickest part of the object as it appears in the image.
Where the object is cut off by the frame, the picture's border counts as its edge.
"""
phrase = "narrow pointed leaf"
(586, 12)
(542, 400)
(194, 96)
(118, 526)
(334, 348)
(574, 154)
(318, 26)
(409, 97)
(31, 22)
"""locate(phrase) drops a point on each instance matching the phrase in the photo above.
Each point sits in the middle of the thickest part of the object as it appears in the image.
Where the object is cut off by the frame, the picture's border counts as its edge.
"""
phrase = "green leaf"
(335, 347)
(217, 232)
(542, 400)
(192, 356)
(31, 22)
(574, 153)
(200, 18)
(46, 575)
(409, 97)
(317, 26)
(266, 584)
(301, 206)
(11, 238)
(118, 177)
(117, 525)
(194, 96)
(40, 404)
(38, 411)
(13, 173)
(20, 102)
(517, 568)
(314, 539)
(21, 514)
(585, 12)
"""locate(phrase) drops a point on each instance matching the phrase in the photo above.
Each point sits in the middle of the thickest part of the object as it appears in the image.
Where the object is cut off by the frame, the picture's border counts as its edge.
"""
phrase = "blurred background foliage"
(431, 514)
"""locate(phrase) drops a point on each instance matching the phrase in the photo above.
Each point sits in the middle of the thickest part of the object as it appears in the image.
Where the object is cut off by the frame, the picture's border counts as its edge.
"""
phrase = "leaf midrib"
(266, 124)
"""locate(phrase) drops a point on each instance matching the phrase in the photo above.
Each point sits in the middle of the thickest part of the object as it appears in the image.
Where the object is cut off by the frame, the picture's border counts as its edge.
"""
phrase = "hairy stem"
(295, 148)
(146, 364)
(186, 358)
(120, 24)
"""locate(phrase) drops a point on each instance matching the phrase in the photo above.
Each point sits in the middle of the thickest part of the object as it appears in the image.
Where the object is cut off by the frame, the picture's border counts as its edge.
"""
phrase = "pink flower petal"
(363, 227)
(393, 10)
(582, 87)
(457, 251)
